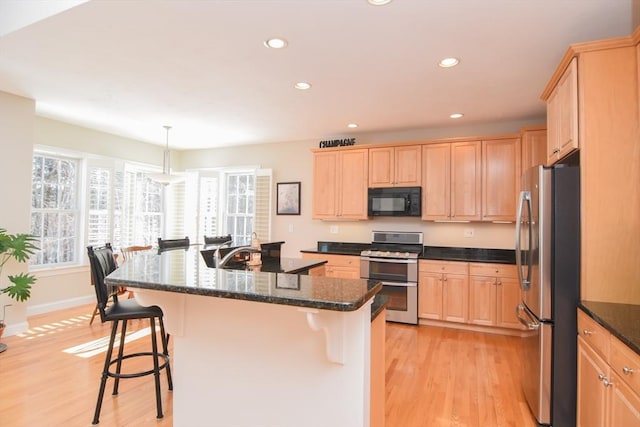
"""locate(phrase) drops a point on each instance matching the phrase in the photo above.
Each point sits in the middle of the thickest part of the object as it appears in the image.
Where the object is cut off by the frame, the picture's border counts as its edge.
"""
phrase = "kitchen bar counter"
(442, 253)
(182, 271)
(259, 349)
(622, 320)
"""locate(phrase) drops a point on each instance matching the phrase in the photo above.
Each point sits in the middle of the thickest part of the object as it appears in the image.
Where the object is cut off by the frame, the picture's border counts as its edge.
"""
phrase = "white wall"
(292, 161)
(16, 145)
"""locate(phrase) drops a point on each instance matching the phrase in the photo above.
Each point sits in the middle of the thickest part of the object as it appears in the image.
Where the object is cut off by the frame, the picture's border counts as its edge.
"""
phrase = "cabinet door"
(455, 298)
(534, 148)
(352, 184)
(508, 292)
(592, 394)
(500, 179)
(562, 115)
(466, 180)
(343, 272)
(436, 185)
(624, 404)
(430, 296)
(553, 127)
(381, 167)
(568, 118)
(408, 166)
(325, 184)
(482, 300)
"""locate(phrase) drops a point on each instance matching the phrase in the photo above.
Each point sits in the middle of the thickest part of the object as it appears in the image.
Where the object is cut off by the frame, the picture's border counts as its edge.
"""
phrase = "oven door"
(403, 302)
(389, 269)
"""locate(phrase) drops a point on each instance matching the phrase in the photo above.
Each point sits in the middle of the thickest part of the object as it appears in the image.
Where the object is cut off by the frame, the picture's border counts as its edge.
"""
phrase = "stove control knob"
(407, 255)
(387, 253)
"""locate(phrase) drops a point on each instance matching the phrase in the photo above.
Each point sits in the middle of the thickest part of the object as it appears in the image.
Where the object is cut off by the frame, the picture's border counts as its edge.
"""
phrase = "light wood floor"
(435, 377)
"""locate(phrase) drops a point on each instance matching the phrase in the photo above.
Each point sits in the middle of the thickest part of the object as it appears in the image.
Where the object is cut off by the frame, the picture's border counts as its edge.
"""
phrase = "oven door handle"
(400, 284)
(390, 260)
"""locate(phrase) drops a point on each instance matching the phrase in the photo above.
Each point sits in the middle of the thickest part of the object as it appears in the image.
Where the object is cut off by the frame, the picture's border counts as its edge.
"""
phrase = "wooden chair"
(130, 251)
(217, 240)
(102, 264)
(171, 244)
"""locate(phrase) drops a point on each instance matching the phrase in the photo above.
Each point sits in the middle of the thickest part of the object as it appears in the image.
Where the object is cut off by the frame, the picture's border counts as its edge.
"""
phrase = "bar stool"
(102, 264)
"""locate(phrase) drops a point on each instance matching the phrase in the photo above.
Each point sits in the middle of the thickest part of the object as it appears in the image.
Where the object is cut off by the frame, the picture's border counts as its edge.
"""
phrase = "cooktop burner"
(388, 244)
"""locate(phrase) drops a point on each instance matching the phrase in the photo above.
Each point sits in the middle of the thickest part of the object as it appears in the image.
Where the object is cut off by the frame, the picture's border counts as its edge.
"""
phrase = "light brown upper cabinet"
(534, 147)
(609, 139)
(562, 115)
(395, 166)
(340, 184)
(451, 181)
(500, 179)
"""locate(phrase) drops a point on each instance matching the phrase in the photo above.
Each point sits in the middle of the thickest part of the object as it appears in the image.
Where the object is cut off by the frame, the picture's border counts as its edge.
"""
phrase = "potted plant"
(19, 247)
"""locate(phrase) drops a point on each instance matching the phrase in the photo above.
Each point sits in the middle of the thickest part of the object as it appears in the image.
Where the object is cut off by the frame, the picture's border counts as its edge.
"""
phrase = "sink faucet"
(216, 254)
(220, 263)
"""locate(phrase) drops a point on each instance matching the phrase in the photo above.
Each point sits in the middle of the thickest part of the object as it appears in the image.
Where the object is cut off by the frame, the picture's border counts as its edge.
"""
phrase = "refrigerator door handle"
(529, 323)
(525, 198)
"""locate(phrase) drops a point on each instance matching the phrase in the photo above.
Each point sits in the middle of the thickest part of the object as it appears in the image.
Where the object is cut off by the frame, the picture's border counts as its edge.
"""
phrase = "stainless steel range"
(393, 259)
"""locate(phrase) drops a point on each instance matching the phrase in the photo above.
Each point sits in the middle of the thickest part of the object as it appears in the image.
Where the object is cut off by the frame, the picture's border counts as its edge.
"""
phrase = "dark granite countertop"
(442, 253)
(184, 271)
(622, 320)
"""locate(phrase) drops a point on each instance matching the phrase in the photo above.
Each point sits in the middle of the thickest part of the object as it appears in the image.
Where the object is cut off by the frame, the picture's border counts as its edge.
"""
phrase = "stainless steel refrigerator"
(548, 257)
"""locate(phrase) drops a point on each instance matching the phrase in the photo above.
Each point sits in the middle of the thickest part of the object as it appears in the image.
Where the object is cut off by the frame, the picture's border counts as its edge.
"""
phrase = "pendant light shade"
(165, 178)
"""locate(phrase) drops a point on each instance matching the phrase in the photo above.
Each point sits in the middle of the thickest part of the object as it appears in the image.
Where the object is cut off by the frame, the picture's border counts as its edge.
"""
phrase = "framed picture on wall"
(288, 198)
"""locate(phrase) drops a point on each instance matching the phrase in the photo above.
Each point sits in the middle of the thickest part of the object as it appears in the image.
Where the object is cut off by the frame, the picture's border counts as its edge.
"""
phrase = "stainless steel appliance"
(548, 257)
(396, 201)
(393, 259)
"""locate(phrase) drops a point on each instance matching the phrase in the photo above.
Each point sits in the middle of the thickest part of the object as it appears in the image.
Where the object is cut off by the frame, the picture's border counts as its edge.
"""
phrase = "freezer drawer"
(536, 365)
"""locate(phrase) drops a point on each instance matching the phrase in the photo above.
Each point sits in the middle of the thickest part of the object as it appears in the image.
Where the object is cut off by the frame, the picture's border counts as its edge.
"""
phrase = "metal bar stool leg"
(156, 366)
(105, 371)
(123, 335)
(165, 348)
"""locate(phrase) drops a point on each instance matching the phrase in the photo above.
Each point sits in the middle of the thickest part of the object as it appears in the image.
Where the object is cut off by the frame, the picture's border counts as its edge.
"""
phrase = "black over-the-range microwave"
(395, 201)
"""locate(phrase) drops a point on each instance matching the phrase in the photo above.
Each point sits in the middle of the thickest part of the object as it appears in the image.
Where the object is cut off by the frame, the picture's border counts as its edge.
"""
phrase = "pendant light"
(165, 178)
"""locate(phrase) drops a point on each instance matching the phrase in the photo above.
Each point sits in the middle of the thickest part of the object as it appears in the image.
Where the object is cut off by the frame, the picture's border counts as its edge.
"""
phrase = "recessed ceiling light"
(456, 115)
(448, 62)
(275, 43)
(378, 2)
(302, 85)
(352, 125)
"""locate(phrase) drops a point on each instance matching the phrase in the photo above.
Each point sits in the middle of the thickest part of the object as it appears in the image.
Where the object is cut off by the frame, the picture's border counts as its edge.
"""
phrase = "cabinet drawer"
(452, 267)
(493, 270)
(594, 334)
(626, 363)
(341, 260)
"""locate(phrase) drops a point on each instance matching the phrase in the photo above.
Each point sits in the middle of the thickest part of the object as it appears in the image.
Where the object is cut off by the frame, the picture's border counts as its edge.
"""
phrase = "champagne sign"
(337, 143)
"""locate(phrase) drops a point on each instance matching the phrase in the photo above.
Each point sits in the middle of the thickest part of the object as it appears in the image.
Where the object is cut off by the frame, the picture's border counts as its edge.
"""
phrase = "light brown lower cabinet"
(494, 293)
(338, 266)
(443, 290)
(608, 378)
(484, 294)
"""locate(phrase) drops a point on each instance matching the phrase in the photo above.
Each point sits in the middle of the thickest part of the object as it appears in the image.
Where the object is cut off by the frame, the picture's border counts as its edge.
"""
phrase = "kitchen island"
(259, 349)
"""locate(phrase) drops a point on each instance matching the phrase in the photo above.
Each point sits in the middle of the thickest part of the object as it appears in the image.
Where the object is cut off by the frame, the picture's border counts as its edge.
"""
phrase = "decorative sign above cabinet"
(337, 143)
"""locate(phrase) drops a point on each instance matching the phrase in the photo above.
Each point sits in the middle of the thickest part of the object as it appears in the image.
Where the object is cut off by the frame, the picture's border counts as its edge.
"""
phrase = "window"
(142, 216)
(121, 206)
(235, 202)
(54, 209)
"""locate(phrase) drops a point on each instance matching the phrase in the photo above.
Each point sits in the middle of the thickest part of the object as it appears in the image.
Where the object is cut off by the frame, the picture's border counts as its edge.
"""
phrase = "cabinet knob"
(606, 382)
(627, 371)
(586, 332)
(602, 377)
(444, 278)
(498, 283)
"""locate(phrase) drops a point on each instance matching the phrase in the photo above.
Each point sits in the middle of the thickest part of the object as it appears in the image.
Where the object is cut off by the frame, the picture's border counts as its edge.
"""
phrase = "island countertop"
(184, 271)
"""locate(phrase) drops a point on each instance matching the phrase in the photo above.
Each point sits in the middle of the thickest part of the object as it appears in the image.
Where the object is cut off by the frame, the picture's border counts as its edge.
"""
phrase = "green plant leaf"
(21, 288)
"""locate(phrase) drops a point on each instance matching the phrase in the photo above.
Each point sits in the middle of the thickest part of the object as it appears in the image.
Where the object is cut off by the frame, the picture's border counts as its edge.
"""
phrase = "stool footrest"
(143, 373)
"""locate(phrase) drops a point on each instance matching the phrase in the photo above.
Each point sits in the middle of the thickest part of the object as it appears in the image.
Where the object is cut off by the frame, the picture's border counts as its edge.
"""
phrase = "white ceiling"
(130, 67)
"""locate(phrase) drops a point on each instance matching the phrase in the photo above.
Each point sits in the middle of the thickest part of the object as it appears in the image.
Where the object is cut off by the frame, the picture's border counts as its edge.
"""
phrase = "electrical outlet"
(468, 232)
(290, 228)
(333, 229)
